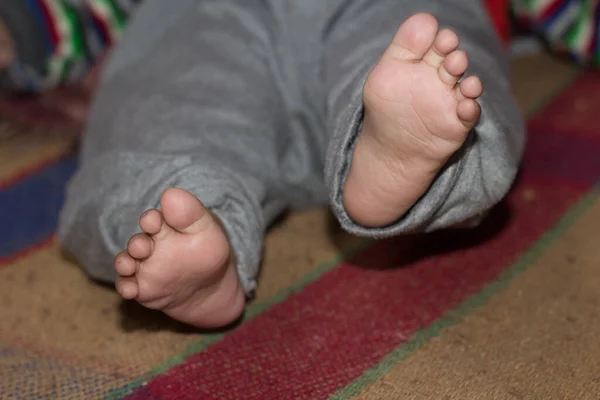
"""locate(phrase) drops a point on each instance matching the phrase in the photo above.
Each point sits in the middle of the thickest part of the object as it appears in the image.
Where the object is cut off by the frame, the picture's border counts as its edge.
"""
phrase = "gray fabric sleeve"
(105, 202)
(477, 176)
(182, 107)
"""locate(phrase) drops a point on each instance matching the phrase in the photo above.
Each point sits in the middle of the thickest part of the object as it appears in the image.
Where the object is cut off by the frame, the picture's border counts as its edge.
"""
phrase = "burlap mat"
(505, 311)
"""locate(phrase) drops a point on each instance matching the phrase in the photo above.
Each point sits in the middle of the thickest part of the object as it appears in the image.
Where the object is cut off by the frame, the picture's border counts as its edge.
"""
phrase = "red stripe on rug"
(30, 170)
(574, 112)
(6, 261)
(322, 338)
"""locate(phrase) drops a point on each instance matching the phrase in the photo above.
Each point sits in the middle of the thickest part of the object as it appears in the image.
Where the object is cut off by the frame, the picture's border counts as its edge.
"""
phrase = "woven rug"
(509, 310)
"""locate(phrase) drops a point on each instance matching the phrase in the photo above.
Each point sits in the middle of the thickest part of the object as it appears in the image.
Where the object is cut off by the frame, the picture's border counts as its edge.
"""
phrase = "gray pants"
(245, 103)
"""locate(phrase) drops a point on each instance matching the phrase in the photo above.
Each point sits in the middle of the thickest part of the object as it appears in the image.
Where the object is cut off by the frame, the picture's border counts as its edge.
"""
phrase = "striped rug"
(510, 310)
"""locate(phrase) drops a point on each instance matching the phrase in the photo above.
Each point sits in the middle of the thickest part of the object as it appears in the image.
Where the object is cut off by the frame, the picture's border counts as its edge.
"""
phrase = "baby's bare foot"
(182, 264)
(416, 116)
(7, 48)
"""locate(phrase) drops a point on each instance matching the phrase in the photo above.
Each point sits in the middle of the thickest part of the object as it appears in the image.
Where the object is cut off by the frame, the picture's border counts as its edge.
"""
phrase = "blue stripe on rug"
(29, 208)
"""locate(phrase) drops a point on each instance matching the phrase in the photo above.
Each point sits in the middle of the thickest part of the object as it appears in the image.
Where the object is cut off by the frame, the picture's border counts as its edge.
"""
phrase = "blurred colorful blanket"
(569, 27)
(510, 310)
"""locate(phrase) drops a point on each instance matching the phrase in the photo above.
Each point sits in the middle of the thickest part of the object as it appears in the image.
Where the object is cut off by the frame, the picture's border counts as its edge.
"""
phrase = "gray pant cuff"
(423, 213)
(244, 226)
(96, 229)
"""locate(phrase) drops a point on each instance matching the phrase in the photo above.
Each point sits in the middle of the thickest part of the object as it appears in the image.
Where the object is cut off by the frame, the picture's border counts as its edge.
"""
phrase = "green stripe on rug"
(453, 317)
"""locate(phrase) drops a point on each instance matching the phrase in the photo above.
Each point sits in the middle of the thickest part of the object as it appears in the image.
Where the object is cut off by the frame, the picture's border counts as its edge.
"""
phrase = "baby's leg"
(189, 102)
(409, 151)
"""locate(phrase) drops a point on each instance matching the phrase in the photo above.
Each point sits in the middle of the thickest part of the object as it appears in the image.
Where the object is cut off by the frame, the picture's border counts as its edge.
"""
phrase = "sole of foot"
(182, 264)
(418, 113)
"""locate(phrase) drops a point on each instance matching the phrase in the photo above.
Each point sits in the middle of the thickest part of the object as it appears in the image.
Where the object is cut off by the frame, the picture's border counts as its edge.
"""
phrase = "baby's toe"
(469, 88)
(184, 212)
(127, 287)
(445, 42)
(125, 265)
(151, 222)
(140, 246)
(468, 110)
(454, 67)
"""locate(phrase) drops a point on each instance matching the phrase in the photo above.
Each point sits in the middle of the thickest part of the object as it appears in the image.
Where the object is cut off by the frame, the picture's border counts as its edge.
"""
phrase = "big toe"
(414, 38)
(184, 212)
